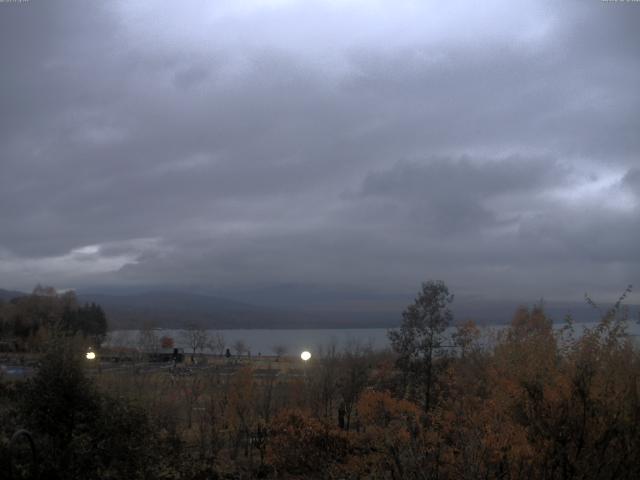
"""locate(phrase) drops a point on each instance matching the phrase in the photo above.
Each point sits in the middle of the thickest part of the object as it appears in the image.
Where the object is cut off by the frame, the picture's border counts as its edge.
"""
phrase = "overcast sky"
(365, 145)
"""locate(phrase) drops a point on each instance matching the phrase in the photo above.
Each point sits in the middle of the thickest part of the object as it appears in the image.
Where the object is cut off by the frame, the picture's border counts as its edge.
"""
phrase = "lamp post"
(305, 356)
(92, 357)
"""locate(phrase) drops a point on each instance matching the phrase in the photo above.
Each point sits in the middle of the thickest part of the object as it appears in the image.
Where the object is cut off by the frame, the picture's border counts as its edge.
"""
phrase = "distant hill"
(300, 309)
(176, 309)
(500, 312)
(171, 309)
(7, 295)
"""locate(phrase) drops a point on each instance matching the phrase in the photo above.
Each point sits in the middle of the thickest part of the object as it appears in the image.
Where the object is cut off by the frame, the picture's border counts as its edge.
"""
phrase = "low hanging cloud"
(358, 145)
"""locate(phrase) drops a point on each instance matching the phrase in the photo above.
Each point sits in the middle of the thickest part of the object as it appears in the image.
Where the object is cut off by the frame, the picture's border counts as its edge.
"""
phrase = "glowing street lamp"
(305, 356)
(90, 355)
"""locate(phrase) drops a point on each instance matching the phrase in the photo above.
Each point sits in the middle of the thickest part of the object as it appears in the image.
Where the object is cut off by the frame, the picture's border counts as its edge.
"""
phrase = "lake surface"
(264, 341)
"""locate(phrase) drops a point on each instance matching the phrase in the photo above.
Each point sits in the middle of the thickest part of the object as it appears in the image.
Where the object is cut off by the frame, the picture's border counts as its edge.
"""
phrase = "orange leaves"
(466, 336)
(302, 445)
(241, 398)
(166, 342)
(380, 408)
(527, 409)
(524, 409)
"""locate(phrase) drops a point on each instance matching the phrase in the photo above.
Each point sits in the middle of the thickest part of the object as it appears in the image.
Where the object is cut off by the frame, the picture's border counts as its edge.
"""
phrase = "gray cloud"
(321, 144)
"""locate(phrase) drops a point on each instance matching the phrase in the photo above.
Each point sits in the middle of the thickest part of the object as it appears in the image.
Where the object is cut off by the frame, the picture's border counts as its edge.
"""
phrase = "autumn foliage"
(533, 400)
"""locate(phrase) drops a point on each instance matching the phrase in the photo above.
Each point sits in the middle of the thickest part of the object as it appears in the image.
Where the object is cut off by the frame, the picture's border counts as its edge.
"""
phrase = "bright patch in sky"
(603, 190)
(88, 250)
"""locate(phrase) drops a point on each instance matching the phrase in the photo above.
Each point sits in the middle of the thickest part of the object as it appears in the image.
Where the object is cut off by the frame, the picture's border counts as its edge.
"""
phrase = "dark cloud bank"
(274, 150)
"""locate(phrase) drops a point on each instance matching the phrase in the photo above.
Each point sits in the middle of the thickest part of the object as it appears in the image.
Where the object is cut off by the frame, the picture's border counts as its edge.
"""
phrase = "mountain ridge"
(169, 308)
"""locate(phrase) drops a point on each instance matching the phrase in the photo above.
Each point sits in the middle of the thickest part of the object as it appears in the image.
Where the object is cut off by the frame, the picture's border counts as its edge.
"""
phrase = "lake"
(263, 341)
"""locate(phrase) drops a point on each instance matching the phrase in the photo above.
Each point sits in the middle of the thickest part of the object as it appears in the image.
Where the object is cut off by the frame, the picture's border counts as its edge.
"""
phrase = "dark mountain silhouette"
(7, 295)
(296, 308)
(176, 309)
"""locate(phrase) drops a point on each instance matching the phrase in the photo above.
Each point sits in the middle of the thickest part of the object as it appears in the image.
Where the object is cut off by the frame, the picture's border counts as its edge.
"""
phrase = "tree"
(192, 387)
(148, 340)
(241, 412)
(33, 318)
(466, 337)
(217, 344)
(304, 447)
(280, 351)
(93, 322)
(196, 337)
(166, 342)
(81, 432)
(240, 347)
(324, 379)
(44, 291)
(89, 320)
(353, 378)
(420, 335)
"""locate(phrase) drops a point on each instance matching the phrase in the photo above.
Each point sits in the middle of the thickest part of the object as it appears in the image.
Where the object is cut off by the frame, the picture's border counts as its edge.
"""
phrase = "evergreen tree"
(424, 322)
